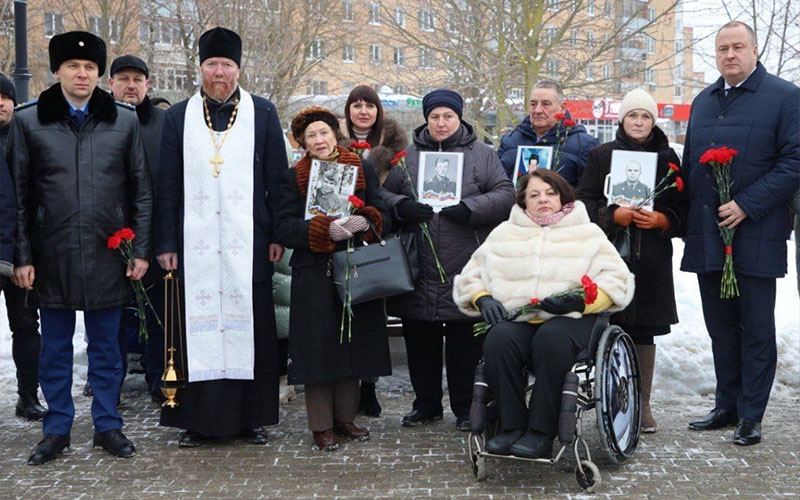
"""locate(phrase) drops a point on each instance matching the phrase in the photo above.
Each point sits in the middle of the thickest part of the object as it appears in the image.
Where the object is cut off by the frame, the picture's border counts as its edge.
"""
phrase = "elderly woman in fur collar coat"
(547, 245)
(328, 366)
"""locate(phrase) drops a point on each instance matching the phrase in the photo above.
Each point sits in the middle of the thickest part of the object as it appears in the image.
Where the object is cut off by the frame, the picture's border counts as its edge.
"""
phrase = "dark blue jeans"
(105, 368)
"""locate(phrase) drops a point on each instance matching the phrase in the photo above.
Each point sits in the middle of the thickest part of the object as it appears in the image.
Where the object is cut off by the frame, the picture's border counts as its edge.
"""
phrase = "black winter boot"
(29, 408)
(368, 404)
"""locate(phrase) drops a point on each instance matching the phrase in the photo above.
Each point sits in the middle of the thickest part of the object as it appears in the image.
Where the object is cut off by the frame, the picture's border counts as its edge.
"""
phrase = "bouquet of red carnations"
(122, 240)
(720, 160)
(587, 290)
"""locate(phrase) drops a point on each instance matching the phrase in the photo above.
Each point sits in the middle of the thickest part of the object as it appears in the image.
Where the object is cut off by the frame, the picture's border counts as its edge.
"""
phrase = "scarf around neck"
(555, 217)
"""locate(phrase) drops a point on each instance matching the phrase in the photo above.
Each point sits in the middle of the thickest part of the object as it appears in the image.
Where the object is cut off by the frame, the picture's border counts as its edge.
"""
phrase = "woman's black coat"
(651, 250)
(315, 353)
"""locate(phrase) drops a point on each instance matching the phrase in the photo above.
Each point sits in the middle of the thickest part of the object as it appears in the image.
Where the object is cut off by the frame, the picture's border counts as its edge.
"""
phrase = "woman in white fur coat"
(547, 245)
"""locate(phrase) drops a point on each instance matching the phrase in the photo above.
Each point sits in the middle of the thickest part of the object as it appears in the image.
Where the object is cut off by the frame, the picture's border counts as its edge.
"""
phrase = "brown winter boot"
(647, 359)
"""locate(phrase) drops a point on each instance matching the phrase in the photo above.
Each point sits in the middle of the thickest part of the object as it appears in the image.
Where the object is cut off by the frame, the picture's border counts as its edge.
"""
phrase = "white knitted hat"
(638, 99)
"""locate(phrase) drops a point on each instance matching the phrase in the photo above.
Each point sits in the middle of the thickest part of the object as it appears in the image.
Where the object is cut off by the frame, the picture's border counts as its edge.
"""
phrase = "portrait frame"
(524, 154)
(325, 175)
(434, 190)
(620, 188)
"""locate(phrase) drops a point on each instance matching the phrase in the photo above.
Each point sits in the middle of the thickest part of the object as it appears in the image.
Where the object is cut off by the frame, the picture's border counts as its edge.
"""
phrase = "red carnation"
(559, 116)
(679, 184)
(589, 289)
(569, 123)
(674, 167)
(728, 250)
(360, 145)
(126, 233)
(355, 201)
(114, 241)
(534, 301)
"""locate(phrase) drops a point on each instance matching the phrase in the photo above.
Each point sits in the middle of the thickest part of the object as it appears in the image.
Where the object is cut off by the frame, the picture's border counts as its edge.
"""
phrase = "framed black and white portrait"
(439, 178)
(632, 178)
(329, 186)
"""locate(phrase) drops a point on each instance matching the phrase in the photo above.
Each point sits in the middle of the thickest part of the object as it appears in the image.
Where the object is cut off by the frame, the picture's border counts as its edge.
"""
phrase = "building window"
(649, 45)
(550, 34)
(589, 72)
(347, 87)
(590, 8)
(53, 24)
(399, 56)
(375, 53)
(348, 52)
(96, 27)
(400, 16)
(426, 20)
(573, 68)
(607, 9)
(399, 89)
(573, 38)
(551, 66)
(316, 87)
(347, 11)
(651, 14)
(649, 76)
(374, 13)
(590, 37)
(316, 50)
(425, 58)
(517, 94)
(606, 72)
(552, 4)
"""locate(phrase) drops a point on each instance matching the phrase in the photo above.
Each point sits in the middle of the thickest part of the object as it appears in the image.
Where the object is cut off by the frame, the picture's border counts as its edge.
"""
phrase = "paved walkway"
(427, 462)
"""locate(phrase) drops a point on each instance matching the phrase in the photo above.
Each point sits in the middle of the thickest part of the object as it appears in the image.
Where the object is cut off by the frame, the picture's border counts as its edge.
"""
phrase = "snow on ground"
(683, 362)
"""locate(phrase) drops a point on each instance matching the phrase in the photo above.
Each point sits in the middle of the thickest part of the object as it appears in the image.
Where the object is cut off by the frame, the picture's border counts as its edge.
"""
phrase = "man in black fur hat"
(222, 164)
(80, 175)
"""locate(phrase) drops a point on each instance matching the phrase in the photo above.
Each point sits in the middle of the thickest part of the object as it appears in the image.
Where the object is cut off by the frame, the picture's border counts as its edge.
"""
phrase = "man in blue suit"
(755, 113)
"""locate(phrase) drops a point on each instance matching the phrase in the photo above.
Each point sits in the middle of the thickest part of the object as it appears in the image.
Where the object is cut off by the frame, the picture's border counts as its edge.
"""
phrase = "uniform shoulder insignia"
(125, 105)
(26, 105)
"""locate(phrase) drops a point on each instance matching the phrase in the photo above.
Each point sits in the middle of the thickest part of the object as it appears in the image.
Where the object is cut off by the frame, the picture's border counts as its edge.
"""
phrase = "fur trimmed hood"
(393, 140)
(521, 259)
(52, 105)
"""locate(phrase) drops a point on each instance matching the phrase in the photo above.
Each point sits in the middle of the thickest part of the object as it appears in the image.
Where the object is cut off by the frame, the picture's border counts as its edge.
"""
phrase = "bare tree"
(494, 51)
(283, 40)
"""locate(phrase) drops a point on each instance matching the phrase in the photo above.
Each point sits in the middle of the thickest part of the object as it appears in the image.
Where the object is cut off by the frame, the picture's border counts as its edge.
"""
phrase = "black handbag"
(377, 270)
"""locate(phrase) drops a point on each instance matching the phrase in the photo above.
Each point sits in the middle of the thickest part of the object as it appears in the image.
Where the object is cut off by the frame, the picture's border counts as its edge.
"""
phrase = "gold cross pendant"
(216, 161)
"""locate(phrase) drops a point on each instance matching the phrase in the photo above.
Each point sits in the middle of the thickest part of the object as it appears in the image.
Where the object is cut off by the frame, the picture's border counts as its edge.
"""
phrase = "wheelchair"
(605, 378)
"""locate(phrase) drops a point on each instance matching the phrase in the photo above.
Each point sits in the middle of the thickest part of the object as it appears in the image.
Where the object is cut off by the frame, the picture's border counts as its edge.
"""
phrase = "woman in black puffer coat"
(653, 308)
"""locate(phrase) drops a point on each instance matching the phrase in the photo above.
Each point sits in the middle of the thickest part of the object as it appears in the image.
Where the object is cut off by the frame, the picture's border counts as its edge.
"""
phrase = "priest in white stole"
(221, 166)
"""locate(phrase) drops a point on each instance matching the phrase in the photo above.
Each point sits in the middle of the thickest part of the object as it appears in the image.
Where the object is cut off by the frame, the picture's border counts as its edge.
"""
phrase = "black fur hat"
(77, 45)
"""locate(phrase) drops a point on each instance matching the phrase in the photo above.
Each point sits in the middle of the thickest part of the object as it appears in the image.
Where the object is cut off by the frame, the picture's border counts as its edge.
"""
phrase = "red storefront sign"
(607, 109)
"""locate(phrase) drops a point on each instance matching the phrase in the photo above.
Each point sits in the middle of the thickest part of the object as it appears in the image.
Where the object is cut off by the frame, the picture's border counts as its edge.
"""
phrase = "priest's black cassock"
(224, 406)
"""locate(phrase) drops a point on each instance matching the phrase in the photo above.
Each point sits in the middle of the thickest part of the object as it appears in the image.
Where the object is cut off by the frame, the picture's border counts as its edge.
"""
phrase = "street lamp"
(21, 74)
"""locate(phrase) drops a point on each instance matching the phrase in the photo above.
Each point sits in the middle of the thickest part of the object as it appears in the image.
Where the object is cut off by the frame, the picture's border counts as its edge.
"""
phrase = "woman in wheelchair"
(545, 247)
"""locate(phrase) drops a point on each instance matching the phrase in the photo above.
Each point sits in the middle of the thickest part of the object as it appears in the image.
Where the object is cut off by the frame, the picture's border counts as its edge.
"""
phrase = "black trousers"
(23, 320)
(548, 350)
(424, 349)
(742, 332)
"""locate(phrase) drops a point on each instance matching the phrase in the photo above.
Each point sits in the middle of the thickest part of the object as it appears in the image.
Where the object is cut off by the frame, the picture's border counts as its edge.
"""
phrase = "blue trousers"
(742, 332)
(105, 368)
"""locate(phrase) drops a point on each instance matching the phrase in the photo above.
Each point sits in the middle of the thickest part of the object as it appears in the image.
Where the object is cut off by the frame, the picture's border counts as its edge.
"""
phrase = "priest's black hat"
(77, 45)
(220, 42)
(7, 88)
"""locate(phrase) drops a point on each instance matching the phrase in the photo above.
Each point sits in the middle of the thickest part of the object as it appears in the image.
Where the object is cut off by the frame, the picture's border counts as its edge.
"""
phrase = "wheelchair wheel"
(589, 479)
(618, 391)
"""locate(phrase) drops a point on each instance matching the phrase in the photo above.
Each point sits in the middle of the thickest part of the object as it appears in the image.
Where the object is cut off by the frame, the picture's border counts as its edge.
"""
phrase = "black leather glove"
(413, 211)
(460, 214)
(492, 310)
(563, 305)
